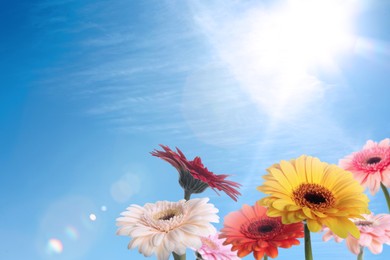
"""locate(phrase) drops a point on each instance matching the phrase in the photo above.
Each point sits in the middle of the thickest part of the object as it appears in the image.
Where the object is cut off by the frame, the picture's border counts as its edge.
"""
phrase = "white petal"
(162, 254)
(157, 239)
(141, 231)
(135, 242)
(124, 231)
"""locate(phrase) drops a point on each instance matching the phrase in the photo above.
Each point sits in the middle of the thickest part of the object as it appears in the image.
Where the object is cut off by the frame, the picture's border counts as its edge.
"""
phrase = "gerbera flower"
(371, 165)
(311, 190)
(164, 227)
(374, 232)
(194, 177)
(213, 249)
(251, 230)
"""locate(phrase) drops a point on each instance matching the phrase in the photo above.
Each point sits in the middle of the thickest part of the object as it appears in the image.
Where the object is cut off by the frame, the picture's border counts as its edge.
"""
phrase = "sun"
(305, 33)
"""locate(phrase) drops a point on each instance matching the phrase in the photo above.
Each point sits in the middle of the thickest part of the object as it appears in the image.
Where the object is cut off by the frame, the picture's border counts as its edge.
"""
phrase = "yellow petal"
(307, 212)
(290, 173)
(309, 169)
(331, 176)
(279, 176)
(292, 217)
(335, 227)
(317, 170)
(313, 225)
(271, 212)
(292, 207)
(280, 204)
(274, 185)
(319, 214)
(342, 227)
(300, 166)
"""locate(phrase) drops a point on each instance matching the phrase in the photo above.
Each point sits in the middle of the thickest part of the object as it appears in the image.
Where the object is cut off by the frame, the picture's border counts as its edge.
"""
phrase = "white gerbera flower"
(164, 227)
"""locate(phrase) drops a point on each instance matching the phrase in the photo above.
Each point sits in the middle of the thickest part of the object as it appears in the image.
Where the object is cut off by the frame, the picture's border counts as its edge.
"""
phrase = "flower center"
(265, 228)
(209, 243)
(373, 160)
(363, 223)
(167, 217)
(167, 214)
(313, 196)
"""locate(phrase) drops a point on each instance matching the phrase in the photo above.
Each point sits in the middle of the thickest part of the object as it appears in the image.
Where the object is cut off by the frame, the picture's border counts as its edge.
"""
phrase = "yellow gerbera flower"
(311, 190)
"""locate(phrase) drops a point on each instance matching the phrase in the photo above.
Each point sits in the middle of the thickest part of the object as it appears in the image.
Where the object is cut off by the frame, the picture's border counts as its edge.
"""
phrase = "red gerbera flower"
(194, 176)
(251, 230)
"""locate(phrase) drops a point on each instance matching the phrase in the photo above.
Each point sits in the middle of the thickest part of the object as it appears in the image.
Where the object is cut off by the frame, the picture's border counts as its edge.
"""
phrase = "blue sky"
(89, 88)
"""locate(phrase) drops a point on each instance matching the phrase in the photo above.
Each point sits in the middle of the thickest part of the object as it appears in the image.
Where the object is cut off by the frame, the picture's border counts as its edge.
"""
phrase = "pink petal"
(353, 245)
(376, 247)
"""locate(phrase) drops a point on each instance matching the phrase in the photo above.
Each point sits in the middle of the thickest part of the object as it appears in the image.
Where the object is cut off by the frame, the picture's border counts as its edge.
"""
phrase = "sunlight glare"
(307, 32)
(275, 51)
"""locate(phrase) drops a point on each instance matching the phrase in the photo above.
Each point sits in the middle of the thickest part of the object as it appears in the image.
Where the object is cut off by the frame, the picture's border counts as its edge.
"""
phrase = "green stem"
(308, 251)
(360, 255)
(265, 257)
(178, 257)
(187, 194)
(387, 196)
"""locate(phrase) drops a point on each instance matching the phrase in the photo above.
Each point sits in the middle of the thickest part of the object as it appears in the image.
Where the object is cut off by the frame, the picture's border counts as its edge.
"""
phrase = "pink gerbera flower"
(213, 249)
(194, 176)
(374, 232)
(371, 165)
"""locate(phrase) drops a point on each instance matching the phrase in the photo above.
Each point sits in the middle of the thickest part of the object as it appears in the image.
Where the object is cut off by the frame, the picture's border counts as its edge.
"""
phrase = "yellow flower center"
(313, 196)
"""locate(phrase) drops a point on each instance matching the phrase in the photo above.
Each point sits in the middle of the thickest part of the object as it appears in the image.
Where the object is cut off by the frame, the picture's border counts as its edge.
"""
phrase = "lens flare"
(72, 232)
(371, 48)
(103, 208)
(127, 186)
(54, 246)
(66, 230)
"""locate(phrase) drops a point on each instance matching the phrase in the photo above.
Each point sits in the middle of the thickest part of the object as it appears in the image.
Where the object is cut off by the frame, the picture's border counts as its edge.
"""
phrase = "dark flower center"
(265, 228)
(373, 160)
(363, 223)
(166, 217)
(167, 214)
(314, 198)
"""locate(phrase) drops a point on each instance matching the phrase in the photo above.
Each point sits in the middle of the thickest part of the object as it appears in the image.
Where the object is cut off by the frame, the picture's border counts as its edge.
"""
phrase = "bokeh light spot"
(72, 232)
(92, 217)
(125, 187)
(103, 208)
(54, 246)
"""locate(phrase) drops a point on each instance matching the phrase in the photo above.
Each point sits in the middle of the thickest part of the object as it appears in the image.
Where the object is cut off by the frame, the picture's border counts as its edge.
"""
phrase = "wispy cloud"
(129, 67)
(200, 69)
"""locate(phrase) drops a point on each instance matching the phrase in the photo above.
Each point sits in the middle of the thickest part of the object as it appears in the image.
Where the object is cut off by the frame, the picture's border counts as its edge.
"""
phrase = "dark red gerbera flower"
(194, 177)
